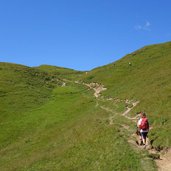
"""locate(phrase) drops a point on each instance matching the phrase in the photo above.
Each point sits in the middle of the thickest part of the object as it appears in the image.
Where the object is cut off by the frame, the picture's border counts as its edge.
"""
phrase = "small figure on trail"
(143, 128)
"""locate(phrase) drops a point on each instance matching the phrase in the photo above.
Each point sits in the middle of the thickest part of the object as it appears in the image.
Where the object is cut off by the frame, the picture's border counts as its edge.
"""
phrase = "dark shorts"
(144, 134)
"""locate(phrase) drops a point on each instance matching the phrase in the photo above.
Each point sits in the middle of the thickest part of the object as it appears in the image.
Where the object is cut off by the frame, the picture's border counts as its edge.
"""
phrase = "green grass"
(67, 133)
(45, 126)
(147, 79)
(23, 88)
(62, 73)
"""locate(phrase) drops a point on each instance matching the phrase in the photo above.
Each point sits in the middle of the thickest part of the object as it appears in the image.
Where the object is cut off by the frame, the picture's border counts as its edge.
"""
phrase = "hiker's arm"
(139, 123)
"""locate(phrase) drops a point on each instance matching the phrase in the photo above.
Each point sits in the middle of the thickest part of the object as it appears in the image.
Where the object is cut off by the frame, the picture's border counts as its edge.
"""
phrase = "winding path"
(164, 163)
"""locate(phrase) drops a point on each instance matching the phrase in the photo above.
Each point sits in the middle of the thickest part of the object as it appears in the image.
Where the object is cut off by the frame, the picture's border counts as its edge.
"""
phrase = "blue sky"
(79, 34)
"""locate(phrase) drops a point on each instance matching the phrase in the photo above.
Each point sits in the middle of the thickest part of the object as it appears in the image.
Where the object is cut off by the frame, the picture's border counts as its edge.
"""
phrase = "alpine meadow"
(60, 119)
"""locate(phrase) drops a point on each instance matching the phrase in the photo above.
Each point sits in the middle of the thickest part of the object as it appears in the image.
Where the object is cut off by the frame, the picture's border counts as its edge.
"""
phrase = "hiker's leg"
(144, 137)
(146, 143)
(141, 138)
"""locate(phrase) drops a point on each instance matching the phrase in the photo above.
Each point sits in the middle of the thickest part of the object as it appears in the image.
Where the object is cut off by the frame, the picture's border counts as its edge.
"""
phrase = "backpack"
(144, 124)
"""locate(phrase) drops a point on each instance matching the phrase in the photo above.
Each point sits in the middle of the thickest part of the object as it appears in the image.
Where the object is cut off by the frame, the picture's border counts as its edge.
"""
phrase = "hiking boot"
(141, 143)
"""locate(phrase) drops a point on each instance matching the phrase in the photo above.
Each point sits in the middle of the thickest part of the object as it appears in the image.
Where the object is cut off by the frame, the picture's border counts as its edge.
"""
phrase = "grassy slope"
(147, 79)
(63, 73)
(22, 89)
(20, 81)
(55, 69)
(69, 133)
(62, 129)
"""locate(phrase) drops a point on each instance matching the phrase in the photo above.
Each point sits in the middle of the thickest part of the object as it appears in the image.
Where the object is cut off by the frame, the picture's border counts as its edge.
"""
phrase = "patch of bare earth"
(98, 88)
(164, 163)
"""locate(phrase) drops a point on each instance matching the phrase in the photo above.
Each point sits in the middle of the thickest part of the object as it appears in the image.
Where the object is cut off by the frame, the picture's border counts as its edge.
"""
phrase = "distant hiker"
(143, 127)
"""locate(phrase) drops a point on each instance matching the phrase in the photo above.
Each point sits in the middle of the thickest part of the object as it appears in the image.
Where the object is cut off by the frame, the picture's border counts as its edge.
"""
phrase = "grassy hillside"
(55, 69)
(63, 73)
(143, 75)
(49, 125)
(45, 126)
(23, 87)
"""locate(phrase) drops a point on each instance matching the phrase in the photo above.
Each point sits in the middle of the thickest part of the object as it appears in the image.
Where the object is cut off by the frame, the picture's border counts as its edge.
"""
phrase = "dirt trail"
(98, 88)
(129, 109)
(164, 163)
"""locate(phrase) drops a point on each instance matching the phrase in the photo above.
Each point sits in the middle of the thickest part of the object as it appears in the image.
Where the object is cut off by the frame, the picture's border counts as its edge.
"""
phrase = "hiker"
(143, 127)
